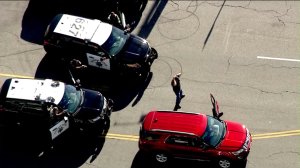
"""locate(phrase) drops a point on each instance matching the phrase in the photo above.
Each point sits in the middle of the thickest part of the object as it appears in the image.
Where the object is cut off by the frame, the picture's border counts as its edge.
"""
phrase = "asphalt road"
(246, 53)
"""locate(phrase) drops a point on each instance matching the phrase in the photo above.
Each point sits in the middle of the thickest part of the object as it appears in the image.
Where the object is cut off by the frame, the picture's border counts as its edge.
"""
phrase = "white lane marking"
(227, 35)
(279, 59)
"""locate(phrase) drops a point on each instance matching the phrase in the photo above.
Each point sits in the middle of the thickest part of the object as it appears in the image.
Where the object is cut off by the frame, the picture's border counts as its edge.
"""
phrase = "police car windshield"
(71, 99)
(115, 42)
(214, 131)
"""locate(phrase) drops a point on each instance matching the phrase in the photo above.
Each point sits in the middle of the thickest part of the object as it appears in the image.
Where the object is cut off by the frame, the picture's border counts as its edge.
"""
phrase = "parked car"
(98, 45)
(194, 136)
(50, 108)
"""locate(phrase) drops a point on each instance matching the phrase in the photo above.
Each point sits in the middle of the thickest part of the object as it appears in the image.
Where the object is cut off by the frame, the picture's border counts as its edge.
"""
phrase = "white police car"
(45, 104)
(98, 44)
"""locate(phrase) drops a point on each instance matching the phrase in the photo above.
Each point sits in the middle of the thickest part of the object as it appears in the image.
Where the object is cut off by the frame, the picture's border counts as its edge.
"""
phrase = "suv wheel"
(224, 163)
(161, 157)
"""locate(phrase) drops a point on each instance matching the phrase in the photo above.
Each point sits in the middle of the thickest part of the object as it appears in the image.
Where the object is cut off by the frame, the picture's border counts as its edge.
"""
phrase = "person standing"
(175, 83)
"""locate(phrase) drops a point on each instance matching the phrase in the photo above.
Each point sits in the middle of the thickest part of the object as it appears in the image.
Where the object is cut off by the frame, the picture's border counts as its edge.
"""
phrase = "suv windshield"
(214, 131)
(115, 41)
(71, 99)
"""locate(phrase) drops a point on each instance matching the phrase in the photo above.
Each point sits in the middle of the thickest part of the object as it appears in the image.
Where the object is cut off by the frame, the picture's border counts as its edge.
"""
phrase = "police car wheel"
(154, 54)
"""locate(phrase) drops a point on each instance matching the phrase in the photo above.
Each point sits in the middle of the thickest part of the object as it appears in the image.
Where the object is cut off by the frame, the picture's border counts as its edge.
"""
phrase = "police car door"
(99, 60)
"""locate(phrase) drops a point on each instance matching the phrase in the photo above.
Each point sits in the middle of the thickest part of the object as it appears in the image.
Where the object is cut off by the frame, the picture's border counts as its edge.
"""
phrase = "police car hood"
(92, 104)
(136, 49)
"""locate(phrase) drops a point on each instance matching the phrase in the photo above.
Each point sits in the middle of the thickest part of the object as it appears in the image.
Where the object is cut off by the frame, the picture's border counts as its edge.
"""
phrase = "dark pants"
(178, 99)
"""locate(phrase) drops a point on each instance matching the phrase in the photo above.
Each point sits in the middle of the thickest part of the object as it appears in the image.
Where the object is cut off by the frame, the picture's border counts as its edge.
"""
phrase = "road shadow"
(27, 148)
(213, 25)
(152, 18)
(121, 89)
(38, 14)
(142, 160)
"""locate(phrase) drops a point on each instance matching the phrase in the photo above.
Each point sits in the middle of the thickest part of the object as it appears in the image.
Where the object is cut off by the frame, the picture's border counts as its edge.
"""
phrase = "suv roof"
(174, 121)
(33, 89)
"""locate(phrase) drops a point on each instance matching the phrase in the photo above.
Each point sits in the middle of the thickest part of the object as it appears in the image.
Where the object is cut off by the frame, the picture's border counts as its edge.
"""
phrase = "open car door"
(216, 111)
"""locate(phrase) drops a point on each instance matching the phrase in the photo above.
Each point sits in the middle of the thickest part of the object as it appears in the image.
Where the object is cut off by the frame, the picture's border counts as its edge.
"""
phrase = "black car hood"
(92, 104)
(135, 50)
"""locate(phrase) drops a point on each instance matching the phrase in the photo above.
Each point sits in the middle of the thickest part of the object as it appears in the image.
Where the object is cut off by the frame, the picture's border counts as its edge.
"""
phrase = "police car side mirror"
(77, 84)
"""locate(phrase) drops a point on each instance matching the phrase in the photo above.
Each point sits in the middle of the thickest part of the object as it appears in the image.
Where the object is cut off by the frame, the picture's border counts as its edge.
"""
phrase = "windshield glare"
(214, 131)
(115, 41)
(71, 99)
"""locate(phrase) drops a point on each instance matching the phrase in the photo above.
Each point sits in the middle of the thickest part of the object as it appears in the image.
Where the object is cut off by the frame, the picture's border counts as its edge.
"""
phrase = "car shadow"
(70, 150)
(38, 15)
(121, 89)
(142, 160)
(145, 161)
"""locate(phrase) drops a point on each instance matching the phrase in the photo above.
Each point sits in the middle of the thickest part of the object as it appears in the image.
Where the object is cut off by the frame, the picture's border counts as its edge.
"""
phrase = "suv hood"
(92, 104)
(135, 50)
(234, 138)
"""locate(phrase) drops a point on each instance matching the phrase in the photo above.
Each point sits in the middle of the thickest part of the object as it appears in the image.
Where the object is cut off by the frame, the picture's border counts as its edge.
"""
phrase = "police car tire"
(154, 54)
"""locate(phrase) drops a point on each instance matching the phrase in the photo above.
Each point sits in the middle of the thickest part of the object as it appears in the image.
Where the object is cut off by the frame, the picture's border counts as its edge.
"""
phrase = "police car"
(98, 44)
(51, 107)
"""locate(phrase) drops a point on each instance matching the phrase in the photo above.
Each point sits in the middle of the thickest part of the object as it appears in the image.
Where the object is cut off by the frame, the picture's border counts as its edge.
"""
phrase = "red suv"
(194, 136)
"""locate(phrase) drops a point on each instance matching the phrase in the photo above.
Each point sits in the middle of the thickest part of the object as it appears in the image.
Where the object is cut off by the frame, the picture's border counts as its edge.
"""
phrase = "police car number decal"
(59, 128)
(78, 27)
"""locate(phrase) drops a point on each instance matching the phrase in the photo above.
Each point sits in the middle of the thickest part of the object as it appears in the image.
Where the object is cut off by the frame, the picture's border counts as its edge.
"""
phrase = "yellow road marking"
(275, 136)
(123, 136)
(135, 138)
(254, 137)
(15, 76)
(276, 133)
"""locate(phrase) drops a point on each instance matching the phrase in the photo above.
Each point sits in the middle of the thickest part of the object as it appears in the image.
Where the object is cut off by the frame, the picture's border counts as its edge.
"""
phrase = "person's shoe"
(182, 96)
